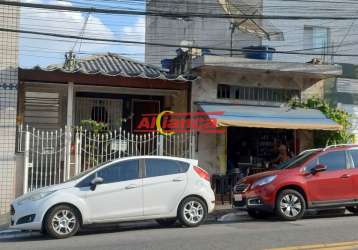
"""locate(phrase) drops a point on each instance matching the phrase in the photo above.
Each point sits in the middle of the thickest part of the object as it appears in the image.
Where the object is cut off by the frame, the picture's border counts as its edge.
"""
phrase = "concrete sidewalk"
(4, 221)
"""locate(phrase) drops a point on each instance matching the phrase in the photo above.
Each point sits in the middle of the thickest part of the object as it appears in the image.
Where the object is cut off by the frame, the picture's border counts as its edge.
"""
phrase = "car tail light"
(202, 173)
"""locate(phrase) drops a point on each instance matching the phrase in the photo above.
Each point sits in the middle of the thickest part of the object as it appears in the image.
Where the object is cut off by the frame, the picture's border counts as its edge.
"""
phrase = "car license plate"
(237, 197)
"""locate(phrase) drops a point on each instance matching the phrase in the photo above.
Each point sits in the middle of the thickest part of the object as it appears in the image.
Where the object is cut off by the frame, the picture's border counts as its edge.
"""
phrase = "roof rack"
(339, 145)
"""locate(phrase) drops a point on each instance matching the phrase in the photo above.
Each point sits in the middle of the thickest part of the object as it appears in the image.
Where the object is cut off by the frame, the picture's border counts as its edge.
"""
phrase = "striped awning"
(269, 117)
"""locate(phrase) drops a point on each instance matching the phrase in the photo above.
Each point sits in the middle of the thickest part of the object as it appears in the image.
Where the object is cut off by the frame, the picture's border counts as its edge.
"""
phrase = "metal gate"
(45, 157)
(53, 156)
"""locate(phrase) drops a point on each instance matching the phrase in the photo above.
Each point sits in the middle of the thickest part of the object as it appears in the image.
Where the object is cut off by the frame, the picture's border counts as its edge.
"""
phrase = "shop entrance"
(253, 150)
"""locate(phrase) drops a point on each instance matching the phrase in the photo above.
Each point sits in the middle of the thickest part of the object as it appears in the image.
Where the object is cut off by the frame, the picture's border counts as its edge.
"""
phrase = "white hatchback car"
(128, 189)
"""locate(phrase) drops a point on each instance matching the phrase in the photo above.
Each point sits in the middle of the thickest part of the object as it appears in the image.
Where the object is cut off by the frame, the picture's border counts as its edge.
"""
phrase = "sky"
(43, 51)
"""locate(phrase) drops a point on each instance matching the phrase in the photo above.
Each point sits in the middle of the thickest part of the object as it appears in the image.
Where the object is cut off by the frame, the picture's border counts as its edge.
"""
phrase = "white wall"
(345, 32)
(8, 104)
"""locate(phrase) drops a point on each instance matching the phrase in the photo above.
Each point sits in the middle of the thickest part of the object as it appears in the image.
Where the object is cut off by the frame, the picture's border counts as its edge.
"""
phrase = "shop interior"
(254, 150)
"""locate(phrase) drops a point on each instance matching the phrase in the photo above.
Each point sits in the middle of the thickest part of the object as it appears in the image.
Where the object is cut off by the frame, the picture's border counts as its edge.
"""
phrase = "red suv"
(318, 178)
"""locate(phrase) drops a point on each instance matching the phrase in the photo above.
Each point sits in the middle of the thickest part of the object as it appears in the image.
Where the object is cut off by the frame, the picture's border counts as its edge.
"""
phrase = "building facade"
(344, 93)
(9, 19)
(253, 95)
(205, 32)
(315, 35)
(322, 37)
(61, 107)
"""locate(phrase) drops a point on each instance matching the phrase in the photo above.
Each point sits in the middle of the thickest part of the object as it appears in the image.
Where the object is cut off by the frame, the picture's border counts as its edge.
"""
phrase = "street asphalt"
(236, 231)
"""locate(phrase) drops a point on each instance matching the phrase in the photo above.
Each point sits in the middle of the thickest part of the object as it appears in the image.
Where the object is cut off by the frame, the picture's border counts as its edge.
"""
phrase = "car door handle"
(345, 176)
(178, 179)
(131, 186)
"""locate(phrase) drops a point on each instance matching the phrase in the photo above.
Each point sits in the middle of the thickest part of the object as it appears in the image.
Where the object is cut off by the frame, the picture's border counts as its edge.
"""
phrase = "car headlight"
(264, 181)
(36, 196)
(39, 196)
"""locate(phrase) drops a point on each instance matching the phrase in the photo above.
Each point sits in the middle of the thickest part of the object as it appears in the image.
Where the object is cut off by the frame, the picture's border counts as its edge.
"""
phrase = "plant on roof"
(324, 138)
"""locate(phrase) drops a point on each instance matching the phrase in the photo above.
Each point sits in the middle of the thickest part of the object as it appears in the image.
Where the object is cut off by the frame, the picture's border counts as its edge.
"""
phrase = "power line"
(169, 14)
(161, 44)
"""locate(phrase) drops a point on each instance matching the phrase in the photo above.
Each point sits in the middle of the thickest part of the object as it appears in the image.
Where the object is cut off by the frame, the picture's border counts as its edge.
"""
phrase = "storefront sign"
(169, 122)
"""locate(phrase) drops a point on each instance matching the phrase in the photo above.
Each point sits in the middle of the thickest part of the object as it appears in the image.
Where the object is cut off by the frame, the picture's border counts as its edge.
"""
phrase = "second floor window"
(256, 93)
(317, 39)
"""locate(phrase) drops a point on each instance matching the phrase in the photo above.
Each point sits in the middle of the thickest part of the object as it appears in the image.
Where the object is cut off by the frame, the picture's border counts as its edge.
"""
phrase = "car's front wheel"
(353, 209)
(192, 212)
(62, 221)
(290, 205)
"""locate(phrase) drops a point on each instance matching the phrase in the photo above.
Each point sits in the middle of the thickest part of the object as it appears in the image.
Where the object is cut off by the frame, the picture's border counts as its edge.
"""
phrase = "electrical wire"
(162, 44)
(170, 14)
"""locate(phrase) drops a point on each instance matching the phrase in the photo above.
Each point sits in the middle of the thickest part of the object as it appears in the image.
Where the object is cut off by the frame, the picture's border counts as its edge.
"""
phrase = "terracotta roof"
(111, 64)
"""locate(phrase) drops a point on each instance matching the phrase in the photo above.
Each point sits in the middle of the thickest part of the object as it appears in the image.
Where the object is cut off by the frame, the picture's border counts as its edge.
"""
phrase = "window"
(297, 161)
(223, 91)
(334, 160)
(86, 182)
(159, 167)
(310, 165)
(316, 39)
(121, 171)
(42, 109)
(256, 93)
(354, 154)
(98, 107)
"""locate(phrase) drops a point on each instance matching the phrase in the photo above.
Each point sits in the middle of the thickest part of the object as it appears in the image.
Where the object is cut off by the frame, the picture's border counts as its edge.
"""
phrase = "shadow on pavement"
(152, 225)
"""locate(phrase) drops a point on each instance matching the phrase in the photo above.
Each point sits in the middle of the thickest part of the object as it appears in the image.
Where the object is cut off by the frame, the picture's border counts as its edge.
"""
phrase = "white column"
(70, 97)
(68, 130)
(26, 161)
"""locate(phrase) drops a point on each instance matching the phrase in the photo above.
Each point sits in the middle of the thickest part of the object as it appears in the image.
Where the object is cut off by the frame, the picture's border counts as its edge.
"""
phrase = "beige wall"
(205, 88)
(177, 102)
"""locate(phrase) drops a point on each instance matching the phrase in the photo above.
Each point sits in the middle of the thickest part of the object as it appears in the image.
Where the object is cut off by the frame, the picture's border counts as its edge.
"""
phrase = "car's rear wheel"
(62, 222)
(166, 222)
(353, 209)
(192, 212)
(290, 205)
(257, 214)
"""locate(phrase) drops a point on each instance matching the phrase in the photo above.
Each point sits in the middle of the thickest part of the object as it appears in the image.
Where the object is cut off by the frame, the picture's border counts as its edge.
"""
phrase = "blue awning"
(268, 117)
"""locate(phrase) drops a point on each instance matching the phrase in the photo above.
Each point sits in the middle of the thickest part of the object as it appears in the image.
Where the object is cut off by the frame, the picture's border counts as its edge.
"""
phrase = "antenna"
(82, 32)
(248, 25)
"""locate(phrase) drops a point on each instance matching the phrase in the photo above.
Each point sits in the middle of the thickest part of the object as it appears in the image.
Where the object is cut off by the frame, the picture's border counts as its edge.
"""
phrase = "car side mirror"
(96, 181)
(318, 168)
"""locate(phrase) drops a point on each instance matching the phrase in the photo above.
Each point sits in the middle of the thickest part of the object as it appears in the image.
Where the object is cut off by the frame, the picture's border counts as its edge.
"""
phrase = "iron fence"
(53, 156)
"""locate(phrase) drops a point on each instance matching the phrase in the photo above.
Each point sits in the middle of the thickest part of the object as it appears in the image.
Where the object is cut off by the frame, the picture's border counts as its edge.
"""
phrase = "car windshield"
(297, 160)
(76, 177)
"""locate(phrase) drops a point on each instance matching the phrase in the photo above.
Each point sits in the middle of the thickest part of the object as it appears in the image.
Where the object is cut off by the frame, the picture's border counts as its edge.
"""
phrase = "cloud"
(137, 30)
(44, 50)
(134, 32)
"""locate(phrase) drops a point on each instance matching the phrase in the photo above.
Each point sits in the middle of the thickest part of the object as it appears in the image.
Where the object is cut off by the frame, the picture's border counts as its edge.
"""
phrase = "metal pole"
(160, 141)
(26, 161)
(68, 152)
(78, 152)
(193, 145)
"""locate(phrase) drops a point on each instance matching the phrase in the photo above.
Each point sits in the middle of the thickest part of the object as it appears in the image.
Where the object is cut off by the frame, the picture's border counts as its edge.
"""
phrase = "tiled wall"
(8, 101)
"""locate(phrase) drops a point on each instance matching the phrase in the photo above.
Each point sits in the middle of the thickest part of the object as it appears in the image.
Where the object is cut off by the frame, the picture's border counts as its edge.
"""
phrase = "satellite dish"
(265, 29)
